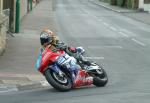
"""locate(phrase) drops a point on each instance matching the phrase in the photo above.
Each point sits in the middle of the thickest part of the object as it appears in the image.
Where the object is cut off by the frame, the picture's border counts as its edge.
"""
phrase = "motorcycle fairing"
(48, 57)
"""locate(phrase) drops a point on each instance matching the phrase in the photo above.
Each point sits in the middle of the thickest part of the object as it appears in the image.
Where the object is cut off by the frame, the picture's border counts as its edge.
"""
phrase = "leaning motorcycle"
(61, 78)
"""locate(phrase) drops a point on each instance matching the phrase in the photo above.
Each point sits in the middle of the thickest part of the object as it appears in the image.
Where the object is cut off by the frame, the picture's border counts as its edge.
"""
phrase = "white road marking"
(100, 20)
(86, 11)
(128, 32)
(5, 88)
(138, 42)
(97, 47)
(44, 83)
(96, 58)
(106, 24)
(125, 35)
(112, 28)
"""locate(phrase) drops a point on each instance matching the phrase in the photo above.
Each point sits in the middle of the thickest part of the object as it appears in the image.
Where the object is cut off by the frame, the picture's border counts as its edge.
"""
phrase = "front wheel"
(59, 82)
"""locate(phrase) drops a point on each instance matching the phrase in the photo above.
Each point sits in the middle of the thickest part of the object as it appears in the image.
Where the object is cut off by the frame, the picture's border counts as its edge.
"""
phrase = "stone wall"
(3, 23)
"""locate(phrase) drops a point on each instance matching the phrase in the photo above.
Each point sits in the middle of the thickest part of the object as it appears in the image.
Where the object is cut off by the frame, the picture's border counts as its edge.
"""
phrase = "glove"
(61, 46)
(72, 49)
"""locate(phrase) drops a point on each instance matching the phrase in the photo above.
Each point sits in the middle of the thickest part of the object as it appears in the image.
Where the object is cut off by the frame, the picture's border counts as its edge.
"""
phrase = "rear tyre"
(61, 83)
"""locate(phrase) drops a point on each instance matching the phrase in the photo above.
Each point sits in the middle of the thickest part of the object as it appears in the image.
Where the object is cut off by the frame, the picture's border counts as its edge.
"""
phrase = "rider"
(48, 38)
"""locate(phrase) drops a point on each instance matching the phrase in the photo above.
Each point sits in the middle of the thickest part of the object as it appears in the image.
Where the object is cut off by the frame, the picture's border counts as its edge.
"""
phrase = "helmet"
(46, 37)
(48, 32)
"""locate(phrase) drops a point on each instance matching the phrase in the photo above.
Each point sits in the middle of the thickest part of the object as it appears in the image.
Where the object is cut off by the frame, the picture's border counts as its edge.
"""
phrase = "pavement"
(17, 63)
(138, 15)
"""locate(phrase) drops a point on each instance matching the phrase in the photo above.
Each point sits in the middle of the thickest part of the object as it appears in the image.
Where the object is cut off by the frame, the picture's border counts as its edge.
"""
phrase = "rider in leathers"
(50, 40)
(55, 44)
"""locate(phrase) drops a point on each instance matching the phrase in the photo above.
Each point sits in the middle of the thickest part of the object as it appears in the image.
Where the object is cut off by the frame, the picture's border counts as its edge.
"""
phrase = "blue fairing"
(55, 68)
(38, 62)
(69, 63)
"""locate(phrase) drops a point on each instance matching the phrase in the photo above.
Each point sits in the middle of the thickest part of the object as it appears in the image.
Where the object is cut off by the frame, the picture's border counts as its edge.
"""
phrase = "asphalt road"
(119, 43)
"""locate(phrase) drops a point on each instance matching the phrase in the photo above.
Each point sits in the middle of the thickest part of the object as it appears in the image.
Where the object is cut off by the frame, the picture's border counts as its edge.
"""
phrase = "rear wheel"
(100, 76)
(59, 82)
(100, 80)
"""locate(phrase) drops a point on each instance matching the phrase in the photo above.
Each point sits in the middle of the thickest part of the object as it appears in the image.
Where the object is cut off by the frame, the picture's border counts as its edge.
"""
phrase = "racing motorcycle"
(64, 79)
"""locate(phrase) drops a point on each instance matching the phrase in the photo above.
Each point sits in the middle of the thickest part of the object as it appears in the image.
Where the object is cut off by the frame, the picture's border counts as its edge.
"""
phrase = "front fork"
(71, 73)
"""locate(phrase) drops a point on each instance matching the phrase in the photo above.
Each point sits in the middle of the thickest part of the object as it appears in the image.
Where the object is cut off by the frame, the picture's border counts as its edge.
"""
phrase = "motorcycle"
(63, 79)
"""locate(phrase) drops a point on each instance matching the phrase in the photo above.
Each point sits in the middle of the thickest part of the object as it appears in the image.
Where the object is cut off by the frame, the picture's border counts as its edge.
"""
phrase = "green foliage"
(120, 3)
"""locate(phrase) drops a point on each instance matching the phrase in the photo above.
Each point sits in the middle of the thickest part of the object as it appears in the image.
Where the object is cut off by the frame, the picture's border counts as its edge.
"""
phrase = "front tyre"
(61, 83)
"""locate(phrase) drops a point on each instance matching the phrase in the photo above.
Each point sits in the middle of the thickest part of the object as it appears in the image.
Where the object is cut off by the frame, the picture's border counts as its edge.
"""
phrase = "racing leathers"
(77, 52)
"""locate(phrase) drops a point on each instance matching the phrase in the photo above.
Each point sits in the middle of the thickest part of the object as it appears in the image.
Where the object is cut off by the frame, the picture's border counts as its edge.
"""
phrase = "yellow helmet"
(51, 35)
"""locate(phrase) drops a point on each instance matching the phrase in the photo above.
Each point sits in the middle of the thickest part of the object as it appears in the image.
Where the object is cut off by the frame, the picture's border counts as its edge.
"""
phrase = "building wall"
(22, 9)
(2, 34)
(34, 3)
(1, 6)
(145, 5)
(25, 6)
(14, 15)
(141, 4)
(9, 4)
(2, 29)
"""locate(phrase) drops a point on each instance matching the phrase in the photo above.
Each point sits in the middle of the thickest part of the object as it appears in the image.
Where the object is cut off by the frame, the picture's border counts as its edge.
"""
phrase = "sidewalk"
(17, 63)
(134, 14)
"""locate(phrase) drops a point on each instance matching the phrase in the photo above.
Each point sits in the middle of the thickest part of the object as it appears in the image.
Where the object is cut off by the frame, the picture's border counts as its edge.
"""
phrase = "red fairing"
(48, 57)
(83, 79)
